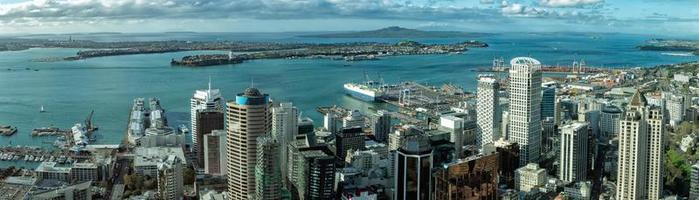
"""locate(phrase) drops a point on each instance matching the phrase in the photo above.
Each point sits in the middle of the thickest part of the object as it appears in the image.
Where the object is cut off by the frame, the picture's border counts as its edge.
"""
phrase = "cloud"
(569, 3)
(76, 10)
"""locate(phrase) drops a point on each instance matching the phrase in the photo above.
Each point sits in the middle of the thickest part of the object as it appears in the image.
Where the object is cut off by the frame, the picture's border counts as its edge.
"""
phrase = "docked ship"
(367, 91)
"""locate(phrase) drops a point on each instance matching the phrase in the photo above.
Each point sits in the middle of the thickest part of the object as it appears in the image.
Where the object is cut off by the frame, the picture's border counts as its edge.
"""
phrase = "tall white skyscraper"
(487, 117)
(201, 100)
(632, 165)
(573, 152)
(525, 108)
(656, 161)
(284, 129)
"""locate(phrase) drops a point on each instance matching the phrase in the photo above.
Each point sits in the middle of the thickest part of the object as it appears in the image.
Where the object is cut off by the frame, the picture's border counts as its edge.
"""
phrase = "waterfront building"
(413, 167)
(247, 117)
(354, 119)
(525, 107)
(610, 122)
(215, 153)
(81, 172)
(146, 159)
(488, 112)
(349, 139)
(529, 177)
(475, 177)
(268, 182)
(208, 99)
(331, 122)
(694, 182)
(381, 126)
(284, 129)
(548, 102)
(52, 171)
(573, 152)
(632, 166)
(170, 178)
(208, 120)
(656, 152)
(80, 191)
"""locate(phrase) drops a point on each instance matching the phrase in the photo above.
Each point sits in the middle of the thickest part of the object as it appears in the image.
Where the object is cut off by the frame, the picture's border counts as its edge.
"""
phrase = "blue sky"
(656, 17)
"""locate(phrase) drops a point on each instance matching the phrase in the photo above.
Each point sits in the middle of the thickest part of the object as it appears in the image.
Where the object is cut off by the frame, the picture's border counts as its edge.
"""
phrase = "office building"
(529, 177)
(525, 108)
(455, 126)
(578, 191)
(475, 177)
(354, 119)
(305, 126)
(548, 102)
(573, 152)
(381, 126)
(349, 139)
(208, 120)
(170, 178)
(208, 99)
(508, 155)
(632, 167)
(284, 129)
(332, 122)
(413, 168)
(319, 175)
(488, 110)
(215, 153)
(80, 191)
(249, 116)
(609, 123)
(268, 182)
(82, 172)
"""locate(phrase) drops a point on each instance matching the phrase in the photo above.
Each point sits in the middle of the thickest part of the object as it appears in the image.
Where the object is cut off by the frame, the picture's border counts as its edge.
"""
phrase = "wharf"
(7, 130)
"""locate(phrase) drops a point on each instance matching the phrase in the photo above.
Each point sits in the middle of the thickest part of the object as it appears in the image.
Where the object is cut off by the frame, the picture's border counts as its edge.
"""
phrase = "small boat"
(184, 129)
(42, 109)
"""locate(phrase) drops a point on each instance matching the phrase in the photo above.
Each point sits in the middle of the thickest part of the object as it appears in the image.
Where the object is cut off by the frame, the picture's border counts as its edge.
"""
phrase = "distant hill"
(397, 32)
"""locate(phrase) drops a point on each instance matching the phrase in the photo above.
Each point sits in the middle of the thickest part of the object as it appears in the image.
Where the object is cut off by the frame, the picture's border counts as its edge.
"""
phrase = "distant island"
(397, 32)
(671, 45)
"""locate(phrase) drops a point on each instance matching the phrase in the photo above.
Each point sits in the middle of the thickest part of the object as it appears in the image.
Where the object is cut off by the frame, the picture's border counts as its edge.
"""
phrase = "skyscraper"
(548, 102)
(351, 138)
(208, 119)
(413, 169)
(381, 126)
(525, 107)
(632, 165)
(487, 117)
(248, 117)
(319, 175)
(694, 182)
(284, 129)
(573, 152)
(609, 122)
(268, 183)
(215, 153)
(203, 99)
(656, 149)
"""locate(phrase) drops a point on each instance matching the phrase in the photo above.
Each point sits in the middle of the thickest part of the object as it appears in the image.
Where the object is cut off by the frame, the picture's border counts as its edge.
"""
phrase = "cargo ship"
(368, 91)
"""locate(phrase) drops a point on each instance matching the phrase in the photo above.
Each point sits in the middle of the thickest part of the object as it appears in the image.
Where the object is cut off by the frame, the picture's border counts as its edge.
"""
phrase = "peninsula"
(346, 51)
(671, 45)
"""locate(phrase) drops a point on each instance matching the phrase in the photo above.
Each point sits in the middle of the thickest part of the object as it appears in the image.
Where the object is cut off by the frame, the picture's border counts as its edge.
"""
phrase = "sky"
(654, 17)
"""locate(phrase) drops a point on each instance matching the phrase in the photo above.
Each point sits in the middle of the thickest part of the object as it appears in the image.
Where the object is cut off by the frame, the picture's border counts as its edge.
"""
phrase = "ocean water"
(69, 90)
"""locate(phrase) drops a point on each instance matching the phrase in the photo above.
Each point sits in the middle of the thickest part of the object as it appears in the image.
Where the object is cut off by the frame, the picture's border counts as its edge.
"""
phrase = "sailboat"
(42, 109)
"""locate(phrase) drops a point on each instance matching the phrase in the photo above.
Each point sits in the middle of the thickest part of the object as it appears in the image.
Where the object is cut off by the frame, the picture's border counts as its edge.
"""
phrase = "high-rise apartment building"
(632, 167)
